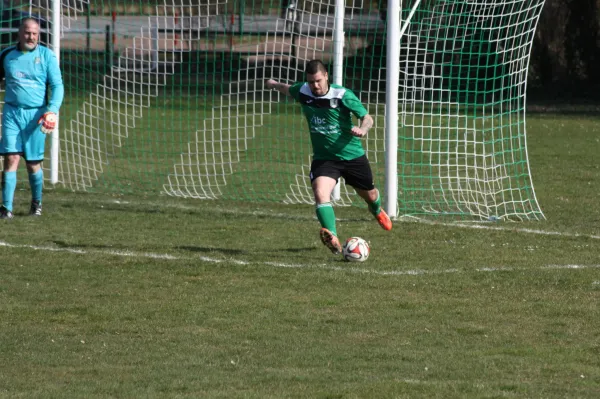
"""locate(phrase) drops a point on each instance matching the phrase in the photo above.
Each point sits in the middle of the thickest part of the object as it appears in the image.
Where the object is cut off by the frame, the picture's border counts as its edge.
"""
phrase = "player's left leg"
(36, 182)
(33, 142)
(357, 173)
(373, 200)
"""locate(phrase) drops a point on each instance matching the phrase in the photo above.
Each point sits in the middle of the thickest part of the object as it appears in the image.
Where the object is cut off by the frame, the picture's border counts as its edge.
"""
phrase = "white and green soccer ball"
(355, 249)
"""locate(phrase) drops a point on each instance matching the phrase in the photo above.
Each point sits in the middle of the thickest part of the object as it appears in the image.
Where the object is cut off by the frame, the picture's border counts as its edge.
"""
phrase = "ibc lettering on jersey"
(317, 125)
(315, 120)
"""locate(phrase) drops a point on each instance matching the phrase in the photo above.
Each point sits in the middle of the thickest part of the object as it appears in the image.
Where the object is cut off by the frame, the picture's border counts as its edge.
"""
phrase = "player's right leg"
(5, 213)
(9, 184)
(11, 148)
(326, 217)
(324, 176)
(331, 241)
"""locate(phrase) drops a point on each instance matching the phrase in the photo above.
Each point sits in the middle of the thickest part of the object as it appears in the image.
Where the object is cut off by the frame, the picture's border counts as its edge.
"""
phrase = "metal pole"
(54, 149)
(294, 15)
(241, 20)
(154, 50)
(114, 29)
(88, 25)
(391, 108)
(232, 24)
(338, 42)
(338, 61)
(108, 56)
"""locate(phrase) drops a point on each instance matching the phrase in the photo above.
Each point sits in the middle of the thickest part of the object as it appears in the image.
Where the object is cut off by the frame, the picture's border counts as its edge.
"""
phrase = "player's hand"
(48, 122)
(270, 84)
(358, 132)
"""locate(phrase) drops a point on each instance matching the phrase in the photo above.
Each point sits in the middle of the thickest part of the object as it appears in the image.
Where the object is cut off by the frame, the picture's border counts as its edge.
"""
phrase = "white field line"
(498, 228)
(413, 219)
(346, 269)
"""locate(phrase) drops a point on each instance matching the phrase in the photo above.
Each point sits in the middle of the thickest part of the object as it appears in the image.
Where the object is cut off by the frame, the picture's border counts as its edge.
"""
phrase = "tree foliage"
(566, 46)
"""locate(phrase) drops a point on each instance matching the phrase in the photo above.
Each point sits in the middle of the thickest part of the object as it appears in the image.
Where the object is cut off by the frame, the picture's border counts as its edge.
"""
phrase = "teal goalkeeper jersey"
(28, 75)
(329, 120)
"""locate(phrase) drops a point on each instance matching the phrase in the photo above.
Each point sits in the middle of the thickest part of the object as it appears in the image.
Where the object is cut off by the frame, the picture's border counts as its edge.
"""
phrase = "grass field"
(127, 296)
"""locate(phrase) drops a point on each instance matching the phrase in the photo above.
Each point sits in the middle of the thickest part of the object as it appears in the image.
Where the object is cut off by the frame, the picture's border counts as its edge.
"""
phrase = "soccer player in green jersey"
(337, 148)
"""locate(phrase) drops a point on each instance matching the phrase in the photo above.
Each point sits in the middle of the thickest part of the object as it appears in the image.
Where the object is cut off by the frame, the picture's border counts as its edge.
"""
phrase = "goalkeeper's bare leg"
(322, 187)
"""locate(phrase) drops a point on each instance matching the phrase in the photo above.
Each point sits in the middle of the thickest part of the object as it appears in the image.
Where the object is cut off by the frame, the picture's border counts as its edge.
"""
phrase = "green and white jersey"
(329, 119)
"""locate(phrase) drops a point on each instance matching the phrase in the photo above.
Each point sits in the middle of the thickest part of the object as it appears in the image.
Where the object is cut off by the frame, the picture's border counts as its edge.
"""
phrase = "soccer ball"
(356, 249)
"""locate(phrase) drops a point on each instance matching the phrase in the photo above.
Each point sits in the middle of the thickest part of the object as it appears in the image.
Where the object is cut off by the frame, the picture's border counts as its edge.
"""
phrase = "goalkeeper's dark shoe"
(36, 208)
(384, 220)
(5, 213)
(331, 241)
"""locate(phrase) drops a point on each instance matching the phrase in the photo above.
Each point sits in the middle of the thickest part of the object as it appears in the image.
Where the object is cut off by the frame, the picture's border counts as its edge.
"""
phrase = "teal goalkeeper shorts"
(21, 133)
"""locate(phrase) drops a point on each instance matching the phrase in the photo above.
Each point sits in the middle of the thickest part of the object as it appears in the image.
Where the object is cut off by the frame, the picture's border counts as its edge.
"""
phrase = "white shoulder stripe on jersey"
(332, 93)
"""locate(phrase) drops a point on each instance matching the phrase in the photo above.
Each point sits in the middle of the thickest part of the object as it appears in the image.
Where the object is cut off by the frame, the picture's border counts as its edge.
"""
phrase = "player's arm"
(3, 55)
(365, 121)
(57, 88)
(56, 84)
(364, 124)
(283, 88)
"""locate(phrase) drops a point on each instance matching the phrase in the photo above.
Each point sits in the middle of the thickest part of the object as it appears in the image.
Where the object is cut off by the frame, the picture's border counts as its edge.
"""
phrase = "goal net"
(168, 97)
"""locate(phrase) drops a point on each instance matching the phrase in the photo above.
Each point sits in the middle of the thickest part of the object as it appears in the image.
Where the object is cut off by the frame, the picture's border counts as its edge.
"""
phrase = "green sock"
(375, 207)
(326, 216)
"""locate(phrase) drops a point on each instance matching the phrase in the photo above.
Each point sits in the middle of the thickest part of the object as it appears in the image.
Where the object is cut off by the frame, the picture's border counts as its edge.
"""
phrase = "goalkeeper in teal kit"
(28, 115)
(337, 148)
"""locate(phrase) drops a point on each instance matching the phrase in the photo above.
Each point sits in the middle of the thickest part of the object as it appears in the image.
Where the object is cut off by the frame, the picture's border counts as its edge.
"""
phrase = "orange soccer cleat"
(384, 220)
(331, 241)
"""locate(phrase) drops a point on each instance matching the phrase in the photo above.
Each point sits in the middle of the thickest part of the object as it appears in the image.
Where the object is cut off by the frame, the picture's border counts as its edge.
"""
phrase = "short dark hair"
(315, 66)
(26, 20)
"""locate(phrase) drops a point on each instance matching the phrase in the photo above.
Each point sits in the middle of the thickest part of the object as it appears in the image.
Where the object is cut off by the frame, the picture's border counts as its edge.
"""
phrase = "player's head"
(317, 77)
(29, 34)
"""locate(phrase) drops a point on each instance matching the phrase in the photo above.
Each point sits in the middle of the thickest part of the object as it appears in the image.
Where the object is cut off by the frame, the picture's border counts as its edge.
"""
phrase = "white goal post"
(55, 140)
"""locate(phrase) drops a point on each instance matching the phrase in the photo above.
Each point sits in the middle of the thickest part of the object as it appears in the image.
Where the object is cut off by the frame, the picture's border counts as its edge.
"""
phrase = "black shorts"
(356, 172)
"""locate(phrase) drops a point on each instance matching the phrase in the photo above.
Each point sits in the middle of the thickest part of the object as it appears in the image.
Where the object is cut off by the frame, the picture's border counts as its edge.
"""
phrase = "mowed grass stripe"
(308, 216)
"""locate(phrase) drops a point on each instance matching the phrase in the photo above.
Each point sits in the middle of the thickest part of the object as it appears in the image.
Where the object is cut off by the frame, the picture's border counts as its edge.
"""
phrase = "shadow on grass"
(296, 250)
(207, 250)
(230, 251)
(63, 244)
(227, 251)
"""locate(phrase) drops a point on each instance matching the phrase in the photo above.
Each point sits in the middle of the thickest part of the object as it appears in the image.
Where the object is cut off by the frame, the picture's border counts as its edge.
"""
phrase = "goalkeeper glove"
(48, 121)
